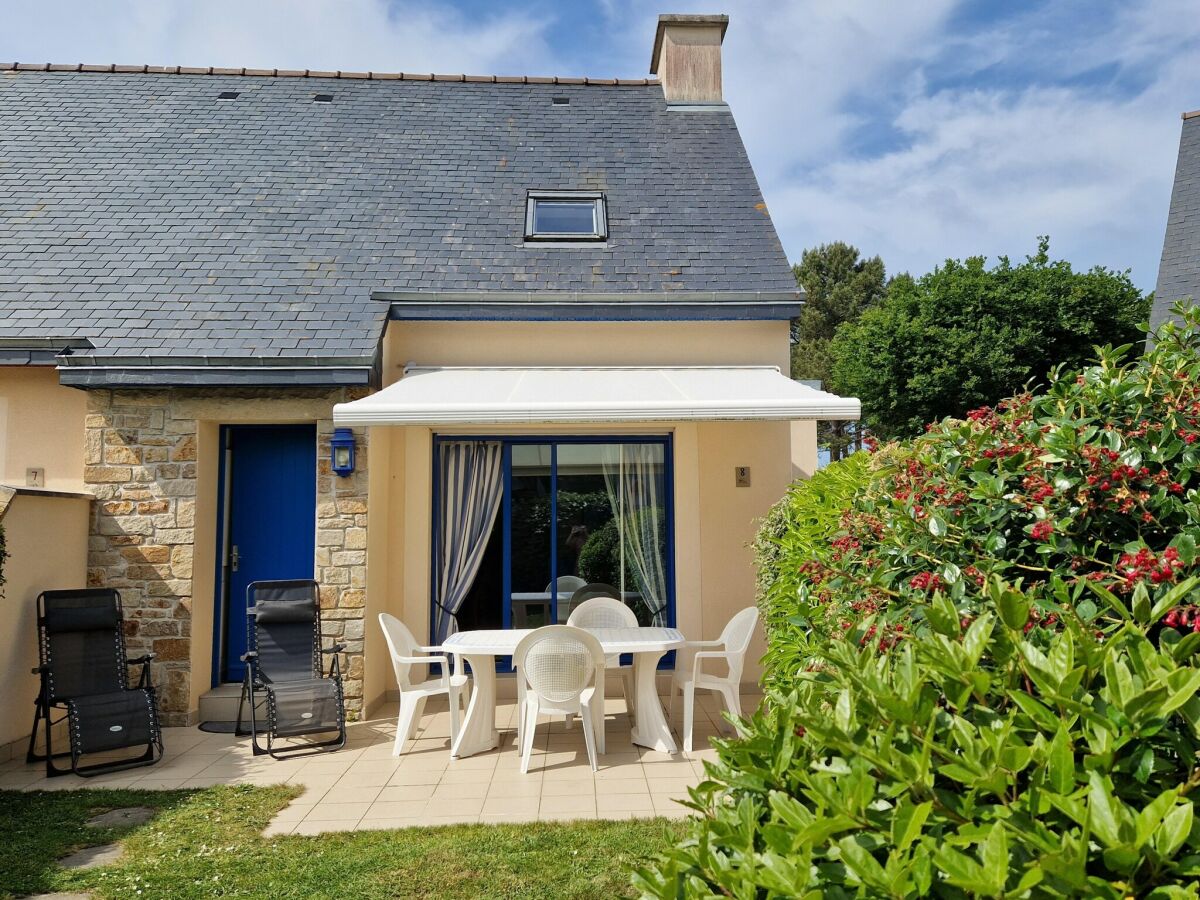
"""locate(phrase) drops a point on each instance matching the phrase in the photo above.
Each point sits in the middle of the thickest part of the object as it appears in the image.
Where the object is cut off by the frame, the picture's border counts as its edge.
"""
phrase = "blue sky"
(917, 130)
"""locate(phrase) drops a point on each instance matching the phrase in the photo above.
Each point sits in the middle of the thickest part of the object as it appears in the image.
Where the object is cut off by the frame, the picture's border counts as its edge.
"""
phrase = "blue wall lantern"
(342, 451)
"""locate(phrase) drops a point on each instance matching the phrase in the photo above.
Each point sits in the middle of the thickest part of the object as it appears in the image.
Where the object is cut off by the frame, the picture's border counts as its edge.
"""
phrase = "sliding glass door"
(575, 513)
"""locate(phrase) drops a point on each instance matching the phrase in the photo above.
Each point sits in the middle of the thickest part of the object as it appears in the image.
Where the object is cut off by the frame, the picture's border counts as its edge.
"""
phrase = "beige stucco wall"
(715, 519)
(47, 546)
(584, 343)
(41, 426)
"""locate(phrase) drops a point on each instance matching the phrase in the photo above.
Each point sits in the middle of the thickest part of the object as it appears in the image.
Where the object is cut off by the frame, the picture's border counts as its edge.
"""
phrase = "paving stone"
(91, 857)
(118, 818)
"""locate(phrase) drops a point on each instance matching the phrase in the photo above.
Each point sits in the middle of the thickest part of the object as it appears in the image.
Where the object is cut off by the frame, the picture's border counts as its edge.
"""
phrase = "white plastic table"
(478, 733)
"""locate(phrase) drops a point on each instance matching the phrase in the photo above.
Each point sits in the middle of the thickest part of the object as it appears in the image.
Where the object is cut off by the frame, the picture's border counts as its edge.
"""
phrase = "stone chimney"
(687, 57)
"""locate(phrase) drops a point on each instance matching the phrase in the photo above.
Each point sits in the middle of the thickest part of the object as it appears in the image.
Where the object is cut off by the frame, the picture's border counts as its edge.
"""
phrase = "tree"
(839, 286)
(963, 336)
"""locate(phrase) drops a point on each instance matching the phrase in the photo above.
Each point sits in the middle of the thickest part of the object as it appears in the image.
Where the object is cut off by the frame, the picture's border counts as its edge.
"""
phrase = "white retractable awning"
(494, 396)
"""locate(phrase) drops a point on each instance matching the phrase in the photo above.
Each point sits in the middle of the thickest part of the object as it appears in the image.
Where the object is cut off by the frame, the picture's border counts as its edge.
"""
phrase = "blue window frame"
(549, 446)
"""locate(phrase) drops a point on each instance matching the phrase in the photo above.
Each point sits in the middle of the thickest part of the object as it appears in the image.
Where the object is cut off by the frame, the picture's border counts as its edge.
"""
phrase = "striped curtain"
(470, 488)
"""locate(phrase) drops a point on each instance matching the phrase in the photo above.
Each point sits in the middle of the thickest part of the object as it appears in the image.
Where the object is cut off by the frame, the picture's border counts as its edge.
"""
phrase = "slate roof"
(1179, 270)
(167, 227)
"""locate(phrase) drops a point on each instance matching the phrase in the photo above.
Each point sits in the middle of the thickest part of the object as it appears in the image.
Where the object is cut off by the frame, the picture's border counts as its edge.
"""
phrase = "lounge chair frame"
(258, 683)
(49, 701)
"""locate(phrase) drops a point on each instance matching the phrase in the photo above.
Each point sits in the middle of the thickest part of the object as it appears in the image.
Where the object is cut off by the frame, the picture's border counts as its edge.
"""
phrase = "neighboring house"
(1179, 270)
(552, 314)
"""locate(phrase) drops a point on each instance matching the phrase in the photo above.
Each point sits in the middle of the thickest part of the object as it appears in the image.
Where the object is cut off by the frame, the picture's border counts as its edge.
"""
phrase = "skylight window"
(565, 216)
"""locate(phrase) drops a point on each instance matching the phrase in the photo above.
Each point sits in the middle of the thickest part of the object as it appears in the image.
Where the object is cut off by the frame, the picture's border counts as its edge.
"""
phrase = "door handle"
(234, 559)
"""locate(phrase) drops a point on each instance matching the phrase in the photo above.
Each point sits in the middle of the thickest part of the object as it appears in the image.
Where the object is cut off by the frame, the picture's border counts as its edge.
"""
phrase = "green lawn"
(207, 843)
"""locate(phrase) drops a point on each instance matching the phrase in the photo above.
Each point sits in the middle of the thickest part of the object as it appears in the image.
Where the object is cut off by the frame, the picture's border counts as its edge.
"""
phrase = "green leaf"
(1174, 830)
(937, 526)
(959, 869)
(1151, 815)
(843, 711)
(1111, 600)
(976, 638)
(862, 863)
(1143, 765)
(943, 617)
(1013, 608)
(1141, 605)
(1172, 598)
(1060, 762)
(907, 822)
(1104, 811)
(993, 853)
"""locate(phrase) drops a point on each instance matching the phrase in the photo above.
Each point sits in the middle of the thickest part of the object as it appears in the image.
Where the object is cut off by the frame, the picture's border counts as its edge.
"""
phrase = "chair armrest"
(693, 645)
(421, 660)
(249, 655)
(709, 654)
(141, 660)
(336, 648)
(39, 670)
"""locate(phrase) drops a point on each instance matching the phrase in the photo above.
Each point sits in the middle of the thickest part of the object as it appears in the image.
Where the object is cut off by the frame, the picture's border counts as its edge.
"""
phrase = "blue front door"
(272, 473)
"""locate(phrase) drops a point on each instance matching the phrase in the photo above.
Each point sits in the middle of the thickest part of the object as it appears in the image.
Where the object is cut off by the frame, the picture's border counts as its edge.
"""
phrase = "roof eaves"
(584, 306)
(215, 376)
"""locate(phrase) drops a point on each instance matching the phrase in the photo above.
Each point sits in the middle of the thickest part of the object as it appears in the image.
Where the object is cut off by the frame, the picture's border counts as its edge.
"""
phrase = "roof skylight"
(565, 216)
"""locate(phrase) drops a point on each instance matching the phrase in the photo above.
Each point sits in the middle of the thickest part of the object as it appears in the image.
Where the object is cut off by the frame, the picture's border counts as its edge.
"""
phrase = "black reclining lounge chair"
(283, 624)
(85, 675)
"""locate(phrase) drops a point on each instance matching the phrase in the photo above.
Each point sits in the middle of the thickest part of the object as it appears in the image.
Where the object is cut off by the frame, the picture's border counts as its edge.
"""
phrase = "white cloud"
(969, 171)
(960, 170)
(353, 35)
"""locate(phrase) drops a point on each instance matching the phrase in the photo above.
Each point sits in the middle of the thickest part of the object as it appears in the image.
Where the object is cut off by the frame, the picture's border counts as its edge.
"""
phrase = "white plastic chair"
(559, 668)
(561, 585)
(413, 694)
(608, 612)
(689, 669)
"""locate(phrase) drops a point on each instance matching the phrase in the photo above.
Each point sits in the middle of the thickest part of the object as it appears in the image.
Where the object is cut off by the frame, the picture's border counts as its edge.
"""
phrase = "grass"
(207, 843)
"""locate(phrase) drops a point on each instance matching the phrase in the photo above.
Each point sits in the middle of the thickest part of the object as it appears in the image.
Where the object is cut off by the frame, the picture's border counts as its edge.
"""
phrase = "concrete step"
(221, 704)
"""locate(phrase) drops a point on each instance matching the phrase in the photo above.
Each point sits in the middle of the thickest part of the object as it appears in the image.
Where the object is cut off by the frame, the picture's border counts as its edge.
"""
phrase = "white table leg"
(478, 733)
(650, 727)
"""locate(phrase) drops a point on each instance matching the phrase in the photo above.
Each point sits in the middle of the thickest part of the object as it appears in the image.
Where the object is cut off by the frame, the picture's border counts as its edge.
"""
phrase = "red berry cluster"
(888, 639)
(1183, 617)
(1145, 566)
(843, 545)
(1040, 620)
(1042, 530)
(925, 581)
(1038, 487)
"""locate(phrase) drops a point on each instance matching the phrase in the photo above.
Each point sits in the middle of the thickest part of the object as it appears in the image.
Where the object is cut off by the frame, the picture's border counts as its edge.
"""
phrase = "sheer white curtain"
(470, 486)
(634, 478)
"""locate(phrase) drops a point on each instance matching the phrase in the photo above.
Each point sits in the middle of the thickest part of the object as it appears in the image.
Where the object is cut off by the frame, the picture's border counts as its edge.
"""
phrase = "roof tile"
(138, 212)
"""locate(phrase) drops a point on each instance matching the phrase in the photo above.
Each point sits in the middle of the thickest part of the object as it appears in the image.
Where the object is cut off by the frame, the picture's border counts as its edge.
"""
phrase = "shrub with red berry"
(983, 664)
(1089, 487)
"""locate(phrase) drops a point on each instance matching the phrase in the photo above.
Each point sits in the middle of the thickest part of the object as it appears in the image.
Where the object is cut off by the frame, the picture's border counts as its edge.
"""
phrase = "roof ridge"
(317, 73)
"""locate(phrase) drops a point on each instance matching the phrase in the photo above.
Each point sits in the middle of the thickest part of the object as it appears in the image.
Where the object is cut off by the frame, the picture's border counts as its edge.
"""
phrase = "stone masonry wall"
(140, 461)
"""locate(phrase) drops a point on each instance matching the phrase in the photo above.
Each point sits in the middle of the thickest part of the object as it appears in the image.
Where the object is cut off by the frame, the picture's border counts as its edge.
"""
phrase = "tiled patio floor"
(363, 786)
